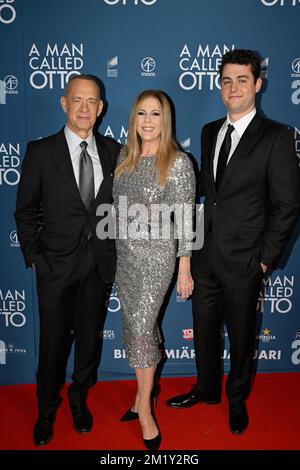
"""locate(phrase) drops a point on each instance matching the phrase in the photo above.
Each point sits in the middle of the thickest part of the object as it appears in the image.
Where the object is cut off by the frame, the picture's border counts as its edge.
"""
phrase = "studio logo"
(148, 3)
(112, 67)
(7, 12)
(148, 66)
(8, 86)
(199, 66)
(188, 333)
(295, 358)
(14, 241)
(120, 134)
(276, 296)
(296, 67)
(280, 3)
(53, 65)
(9, 164)
(295, 85)
(12, 308)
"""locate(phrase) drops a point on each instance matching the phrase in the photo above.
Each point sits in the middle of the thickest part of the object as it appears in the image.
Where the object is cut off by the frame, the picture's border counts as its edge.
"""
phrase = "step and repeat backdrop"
(132, 45)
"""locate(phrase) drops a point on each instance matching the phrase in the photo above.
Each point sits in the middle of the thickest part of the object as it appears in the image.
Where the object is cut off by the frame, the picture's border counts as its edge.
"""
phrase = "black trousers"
(219, 295)
(74, 302)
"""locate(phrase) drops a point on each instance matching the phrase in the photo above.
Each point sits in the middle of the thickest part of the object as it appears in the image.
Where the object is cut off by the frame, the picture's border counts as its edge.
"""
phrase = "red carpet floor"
(274, 413)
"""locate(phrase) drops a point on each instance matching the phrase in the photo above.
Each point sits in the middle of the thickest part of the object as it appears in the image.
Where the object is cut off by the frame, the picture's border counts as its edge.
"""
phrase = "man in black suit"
(250, 179)
(68, 175)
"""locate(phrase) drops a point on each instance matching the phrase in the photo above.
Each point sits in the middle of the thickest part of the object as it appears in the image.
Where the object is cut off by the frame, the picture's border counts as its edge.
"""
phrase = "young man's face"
(238, 89)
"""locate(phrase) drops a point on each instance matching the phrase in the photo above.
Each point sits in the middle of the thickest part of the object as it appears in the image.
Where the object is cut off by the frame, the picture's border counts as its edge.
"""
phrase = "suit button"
(215, 203)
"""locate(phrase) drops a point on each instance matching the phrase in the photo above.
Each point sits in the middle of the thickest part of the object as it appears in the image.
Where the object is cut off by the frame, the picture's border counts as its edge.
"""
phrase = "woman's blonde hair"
(168, 149)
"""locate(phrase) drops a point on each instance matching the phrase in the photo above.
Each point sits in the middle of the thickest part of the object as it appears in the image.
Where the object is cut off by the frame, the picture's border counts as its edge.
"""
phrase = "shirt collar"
(74, 140)
(241, 124)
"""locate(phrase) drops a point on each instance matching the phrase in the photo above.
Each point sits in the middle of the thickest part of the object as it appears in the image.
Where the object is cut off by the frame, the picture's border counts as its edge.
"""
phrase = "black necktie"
(223, 155)
(86, 176)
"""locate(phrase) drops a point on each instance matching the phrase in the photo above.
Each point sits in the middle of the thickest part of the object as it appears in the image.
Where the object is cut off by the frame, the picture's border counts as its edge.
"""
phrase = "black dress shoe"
(43, 431)
(82, 418)
(132, 415)
(153, 444)
(192, 398)
(238, 417)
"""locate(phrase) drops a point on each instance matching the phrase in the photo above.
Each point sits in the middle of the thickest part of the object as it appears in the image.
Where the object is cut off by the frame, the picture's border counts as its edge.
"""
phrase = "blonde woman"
(152, 175)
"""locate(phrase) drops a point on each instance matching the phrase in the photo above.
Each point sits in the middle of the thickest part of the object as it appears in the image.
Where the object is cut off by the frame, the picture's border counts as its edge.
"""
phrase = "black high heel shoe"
(153, 444)
(132, 415)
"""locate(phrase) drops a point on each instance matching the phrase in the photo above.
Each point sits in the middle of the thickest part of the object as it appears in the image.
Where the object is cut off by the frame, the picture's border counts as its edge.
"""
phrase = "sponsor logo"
(295, 85)
(188, 333)
(14, 241)
(107, 334)
(266, 336)
(111, 66)
(148, 66)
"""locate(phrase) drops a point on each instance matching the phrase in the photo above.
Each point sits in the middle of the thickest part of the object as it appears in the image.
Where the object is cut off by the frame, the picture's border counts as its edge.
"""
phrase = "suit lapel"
(62, 156)
(245, 145)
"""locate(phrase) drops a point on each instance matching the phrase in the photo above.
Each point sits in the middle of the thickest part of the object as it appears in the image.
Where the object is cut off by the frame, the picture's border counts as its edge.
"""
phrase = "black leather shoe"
(192, 398)
(43, 431)
(238, 417)
(82, 418)
(132, 415)
(153, 444)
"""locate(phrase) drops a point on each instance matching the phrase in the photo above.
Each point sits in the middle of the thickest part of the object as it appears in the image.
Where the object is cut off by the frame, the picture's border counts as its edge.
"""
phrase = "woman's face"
(148, 120)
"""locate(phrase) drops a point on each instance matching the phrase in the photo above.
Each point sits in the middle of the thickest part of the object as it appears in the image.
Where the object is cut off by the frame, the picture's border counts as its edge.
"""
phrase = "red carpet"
(274, 413)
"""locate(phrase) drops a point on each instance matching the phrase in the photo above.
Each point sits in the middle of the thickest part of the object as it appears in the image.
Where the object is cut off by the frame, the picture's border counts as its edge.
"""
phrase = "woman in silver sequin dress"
(154, 173)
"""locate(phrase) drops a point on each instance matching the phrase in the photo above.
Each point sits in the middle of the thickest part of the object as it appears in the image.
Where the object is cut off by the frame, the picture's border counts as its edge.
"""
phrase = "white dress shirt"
(73, 141)
(239, 128)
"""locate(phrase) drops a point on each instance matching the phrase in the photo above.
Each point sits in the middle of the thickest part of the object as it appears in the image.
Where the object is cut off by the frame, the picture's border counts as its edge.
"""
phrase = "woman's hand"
(185, 284)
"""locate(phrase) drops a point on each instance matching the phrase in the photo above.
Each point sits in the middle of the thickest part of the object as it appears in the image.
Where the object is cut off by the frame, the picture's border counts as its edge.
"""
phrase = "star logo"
(266, 332)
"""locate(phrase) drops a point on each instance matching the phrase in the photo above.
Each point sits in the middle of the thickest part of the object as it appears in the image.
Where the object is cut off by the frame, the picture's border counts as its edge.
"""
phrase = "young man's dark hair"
(242, 57)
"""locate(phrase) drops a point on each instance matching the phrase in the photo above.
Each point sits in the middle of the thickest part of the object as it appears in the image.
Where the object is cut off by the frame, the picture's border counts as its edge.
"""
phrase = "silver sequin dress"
(145, 266)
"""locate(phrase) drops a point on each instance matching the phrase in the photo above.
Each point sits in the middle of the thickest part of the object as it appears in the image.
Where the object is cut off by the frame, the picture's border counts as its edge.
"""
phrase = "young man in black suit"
(250, 179)
(68, 175)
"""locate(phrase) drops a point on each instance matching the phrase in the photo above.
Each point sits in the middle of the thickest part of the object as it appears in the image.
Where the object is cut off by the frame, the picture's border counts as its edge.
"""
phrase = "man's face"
(238, 89)
(82, 105)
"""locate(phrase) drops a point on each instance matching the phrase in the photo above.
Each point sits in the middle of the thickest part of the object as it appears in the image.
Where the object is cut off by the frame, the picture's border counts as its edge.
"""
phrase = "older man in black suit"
(68, 175)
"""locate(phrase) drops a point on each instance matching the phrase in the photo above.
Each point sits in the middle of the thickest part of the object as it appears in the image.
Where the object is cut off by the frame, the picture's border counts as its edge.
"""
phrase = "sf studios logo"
(295, 97)
(8, 86)
(148, 3)
(148, 65)
(9, 164)
(7, 11)
(54, 64)
(199, 66)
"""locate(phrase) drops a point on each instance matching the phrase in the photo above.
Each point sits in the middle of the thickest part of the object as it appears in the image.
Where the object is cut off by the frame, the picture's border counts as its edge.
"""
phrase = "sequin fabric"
(145, 266)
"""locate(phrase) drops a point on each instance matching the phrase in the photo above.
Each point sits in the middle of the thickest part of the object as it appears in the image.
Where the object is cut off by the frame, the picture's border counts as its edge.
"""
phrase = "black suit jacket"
(48, 185)
(258, 201)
